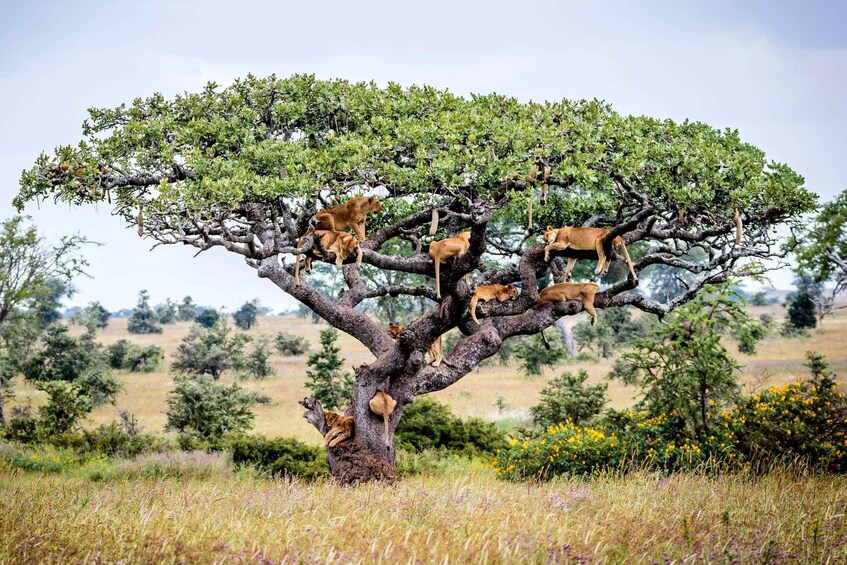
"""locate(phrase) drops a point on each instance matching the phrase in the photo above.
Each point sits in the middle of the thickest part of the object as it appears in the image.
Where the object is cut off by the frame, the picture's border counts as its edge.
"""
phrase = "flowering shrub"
(561, 449)
(801, 420)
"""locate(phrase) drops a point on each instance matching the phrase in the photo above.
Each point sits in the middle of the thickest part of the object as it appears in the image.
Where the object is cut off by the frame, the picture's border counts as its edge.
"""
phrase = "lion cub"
(350, 215)
(562, 292)
(340, 428)
(489, 292)
(436, 352)
(340, 243)
(584, 239)
(448, 247)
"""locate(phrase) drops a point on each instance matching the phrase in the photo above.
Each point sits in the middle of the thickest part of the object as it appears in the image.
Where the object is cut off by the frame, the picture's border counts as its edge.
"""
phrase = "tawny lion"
(382, 405)
(350, 215)
(584, 239)
(436, 351)
(340, 243)
(448, 247)
(484, 292)
(340, 428)
(562, 292)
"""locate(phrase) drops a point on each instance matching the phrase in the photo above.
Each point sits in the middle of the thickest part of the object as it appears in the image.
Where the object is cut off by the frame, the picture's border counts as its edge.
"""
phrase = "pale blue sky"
(777, 71)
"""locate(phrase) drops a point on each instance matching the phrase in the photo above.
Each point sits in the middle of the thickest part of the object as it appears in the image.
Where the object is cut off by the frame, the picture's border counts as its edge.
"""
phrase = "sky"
(776, 71)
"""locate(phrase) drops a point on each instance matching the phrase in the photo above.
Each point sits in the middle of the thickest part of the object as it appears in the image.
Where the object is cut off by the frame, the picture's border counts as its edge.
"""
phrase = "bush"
(280, 457)
(42, 459)
(208, 317)
(143, 320)
(537, 352)
(205, 410)
(289, 344)
(245, 317)
(256, 363)
(209, 351)
(567, 398)
(428, 424)
(124, 355)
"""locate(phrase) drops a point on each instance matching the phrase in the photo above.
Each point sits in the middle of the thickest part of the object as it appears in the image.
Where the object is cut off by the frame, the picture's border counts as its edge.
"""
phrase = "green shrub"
(278, 457)
(124, 355)
(567, 398)
(42, 458)
(289, 344)
(428, 424)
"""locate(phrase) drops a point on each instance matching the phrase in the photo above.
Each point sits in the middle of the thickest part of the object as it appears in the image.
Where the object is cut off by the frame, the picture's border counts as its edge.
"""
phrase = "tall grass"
(460, 517)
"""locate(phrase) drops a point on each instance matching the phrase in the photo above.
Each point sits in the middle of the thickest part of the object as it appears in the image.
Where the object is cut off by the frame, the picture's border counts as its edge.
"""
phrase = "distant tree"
(802, 311)
(760, 298)
(187, 310)
(567, 397)
(49, 300)
(209, 351)
(682, 367)
(537, 352)
(124, 355)
(208, 317)
(167, 313)
(332, 387)
(822, 250)
(288, 344)
(206, 410)
(94, 315)
(256, 364)
(614, 329)
(245, 317)
(143, 320)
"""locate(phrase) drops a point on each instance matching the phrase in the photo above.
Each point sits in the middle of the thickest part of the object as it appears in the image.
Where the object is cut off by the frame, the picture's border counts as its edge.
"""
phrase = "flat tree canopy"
(246, 168)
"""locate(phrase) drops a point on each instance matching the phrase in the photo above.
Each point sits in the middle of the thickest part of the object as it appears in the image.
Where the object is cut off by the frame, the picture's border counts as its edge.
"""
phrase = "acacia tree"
(246, 167)
(822, 251)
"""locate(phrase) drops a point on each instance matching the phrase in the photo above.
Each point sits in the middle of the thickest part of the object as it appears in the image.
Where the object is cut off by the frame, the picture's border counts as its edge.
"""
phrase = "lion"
(448, 247)
(584, 239)
(490, 292)
(340, 243)
(382, 405)
(436, 351)
(350, 215)
(562, 292)
(340, 428)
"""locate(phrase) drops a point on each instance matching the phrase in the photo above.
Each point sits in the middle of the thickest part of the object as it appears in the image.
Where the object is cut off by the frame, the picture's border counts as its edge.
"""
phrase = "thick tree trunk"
(367, 455)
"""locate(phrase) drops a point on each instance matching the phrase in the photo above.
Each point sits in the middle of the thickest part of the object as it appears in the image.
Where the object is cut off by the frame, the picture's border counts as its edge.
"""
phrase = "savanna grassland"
(199, 509)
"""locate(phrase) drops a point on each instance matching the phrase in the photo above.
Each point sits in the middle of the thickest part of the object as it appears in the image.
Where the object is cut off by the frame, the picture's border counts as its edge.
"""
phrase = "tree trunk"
(567, 336)
(365, 456)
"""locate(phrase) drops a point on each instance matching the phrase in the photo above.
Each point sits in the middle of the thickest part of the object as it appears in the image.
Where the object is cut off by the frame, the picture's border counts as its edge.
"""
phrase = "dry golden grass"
(778, 359)
(463, 517)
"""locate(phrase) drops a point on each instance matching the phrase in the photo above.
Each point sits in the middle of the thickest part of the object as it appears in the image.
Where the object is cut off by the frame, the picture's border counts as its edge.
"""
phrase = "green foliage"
(332, 387)
(534, 354)
(143, 320)
(428, 424)
(256, 364)
(208, 317)
(279, 457)
(683, 368)
(828, 233)
(166, 313)
(802, 312)
(137, 359)
(66, 405)
(209, 351)
(568, 398)
(49, 300)
(187, 310)
(803, 421)
(245, 317)
(615, 328)
(93, 316)
(203, 409)
(61, 358)
(289, 344)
